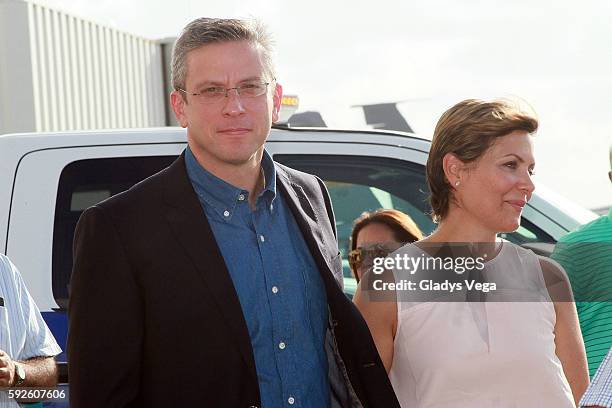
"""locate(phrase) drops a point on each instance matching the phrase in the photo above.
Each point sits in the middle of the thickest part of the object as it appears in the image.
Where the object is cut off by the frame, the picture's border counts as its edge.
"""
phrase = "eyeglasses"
(212, 94)
(364, 256)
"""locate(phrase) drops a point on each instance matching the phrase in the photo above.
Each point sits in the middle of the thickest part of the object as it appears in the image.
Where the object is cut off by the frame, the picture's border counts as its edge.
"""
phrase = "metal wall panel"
(83, 75)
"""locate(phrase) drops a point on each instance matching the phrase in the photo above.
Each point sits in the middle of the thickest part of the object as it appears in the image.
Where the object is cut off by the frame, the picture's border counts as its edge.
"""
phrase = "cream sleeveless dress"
(493, 354)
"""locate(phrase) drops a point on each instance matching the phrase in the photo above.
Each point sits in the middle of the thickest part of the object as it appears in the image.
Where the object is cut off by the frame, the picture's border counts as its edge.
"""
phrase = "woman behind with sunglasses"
(517, 346)
(378, 233)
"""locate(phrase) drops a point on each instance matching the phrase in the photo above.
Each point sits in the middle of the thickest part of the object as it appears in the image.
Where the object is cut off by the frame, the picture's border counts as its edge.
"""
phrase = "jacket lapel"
(308, 220)
(192, 230)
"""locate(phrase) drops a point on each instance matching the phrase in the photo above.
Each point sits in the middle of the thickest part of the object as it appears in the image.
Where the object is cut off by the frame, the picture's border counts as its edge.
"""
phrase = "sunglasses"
(364, 256)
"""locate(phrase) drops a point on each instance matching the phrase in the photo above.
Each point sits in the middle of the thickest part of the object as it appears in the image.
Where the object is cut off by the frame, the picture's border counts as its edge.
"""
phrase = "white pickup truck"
(48, 179)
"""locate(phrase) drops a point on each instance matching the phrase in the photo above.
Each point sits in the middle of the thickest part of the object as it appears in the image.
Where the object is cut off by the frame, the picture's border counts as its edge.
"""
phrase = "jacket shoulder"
(147, 191)
(144, 199)
(309, 182)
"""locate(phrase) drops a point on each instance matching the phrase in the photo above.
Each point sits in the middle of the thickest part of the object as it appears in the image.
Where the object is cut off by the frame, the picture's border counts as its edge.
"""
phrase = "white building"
(60, 72)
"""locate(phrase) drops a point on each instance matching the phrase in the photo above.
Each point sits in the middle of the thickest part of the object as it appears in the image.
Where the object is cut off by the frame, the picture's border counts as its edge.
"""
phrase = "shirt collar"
(221, 196)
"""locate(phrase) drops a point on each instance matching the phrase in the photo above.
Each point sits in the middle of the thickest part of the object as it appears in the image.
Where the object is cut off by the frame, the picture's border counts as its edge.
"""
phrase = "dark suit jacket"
(154, 320)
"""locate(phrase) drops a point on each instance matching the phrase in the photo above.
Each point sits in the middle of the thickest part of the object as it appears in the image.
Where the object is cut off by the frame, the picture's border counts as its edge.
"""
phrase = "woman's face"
(368, 238)
(494, 189)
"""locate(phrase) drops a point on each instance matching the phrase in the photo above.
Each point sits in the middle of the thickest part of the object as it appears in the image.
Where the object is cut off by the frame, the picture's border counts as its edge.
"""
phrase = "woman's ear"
(453, 169)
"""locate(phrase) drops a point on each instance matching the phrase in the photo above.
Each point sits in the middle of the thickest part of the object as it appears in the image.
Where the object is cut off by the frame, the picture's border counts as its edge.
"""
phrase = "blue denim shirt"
(278, 284)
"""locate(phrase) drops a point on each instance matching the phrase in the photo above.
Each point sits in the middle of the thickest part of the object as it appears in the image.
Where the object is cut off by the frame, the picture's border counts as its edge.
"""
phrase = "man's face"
(231, 131)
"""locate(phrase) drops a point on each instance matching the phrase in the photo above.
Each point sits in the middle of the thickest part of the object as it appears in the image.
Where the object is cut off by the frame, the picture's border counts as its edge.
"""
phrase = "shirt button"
(274, 289)
(226, 213)
(282, 345)
(291, 400)
(241, 197)
(261, 237)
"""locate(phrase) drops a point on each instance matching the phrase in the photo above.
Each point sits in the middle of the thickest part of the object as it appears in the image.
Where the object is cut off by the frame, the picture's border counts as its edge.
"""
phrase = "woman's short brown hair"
(467, 130)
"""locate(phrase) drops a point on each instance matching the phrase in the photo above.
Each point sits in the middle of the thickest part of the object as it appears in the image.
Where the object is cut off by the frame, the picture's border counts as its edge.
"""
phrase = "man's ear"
(178, 106)
(453, 168)
(276, 101)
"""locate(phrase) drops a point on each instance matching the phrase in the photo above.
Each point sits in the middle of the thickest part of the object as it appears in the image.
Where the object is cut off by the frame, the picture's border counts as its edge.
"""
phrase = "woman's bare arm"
(568, 337)
(380, 313)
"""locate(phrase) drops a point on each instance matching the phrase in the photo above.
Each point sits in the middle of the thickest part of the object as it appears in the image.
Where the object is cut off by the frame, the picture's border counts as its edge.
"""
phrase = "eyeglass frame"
(227, 90)
(384, 249)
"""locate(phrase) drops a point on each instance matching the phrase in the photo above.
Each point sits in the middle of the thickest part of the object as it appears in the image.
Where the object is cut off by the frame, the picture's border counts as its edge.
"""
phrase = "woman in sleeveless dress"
(517, 344)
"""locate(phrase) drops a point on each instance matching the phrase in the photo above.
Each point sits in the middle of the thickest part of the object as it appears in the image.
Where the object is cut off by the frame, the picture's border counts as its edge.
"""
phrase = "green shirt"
(586, 256)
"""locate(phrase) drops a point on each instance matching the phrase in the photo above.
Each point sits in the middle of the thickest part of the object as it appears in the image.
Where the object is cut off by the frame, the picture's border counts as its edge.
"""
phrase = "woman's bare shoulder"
(556, 280)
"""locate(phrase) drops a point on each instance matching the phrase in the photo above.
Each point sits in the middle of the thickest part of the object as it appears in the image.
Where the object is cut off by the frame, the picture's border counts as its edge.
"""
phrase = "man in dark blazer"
(217, 282)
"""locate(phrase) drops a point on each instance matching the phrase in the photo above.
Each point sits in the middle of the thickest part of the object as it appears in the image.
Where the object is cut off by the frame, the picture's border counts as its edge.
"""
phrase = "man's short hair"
(203, 31)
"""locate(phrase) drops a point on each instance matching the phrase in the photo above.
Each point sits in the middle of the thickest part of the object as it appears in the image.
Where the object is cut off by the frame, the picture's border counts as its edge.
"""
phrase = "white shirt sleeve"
(25, 334)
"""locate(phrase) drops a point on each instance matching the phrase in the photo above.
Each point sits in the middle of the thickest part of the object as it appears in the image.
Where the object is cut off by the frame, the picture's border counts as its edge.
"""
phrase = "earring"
(457, 183)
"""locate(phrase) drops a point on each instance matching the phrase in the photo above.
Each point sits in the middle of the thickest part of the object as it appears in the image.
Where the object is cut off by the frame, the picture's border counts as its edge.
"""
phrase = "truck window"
(82, 184)
(355, 183)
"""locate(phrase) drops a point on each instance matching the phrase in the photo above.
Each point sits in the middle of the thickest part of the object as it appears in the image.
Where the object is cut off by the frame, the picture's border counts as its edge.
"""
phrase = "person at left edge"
(217, 282)
(599, 393)
(27, 347)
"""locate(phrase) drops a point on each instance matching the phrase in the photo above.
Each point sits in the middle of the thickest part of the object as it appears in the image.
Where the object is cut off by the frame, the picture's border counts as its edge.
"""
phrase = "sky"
(429, 55)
